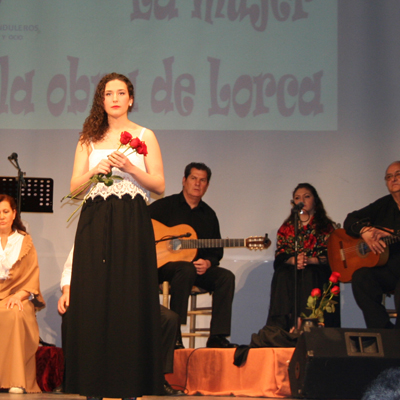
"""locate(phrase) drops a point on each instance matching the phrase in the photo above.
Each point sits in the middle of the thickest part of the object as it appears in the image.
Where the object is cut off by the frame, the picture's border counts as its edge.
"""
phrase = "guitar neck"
(211, 243)
(391, 239)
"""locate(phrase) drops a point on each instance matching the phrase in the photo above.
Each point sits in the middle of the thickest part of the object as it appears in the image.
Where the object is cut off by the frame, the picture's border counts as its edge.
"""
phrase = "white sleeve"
(67, 271)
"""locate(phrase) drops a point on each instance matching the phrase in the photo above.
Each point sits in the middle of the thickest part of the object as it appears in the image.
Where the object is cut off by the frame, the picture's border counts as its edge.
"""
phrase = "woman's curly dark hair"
(17, 224)
(96, 124)
(321, 218)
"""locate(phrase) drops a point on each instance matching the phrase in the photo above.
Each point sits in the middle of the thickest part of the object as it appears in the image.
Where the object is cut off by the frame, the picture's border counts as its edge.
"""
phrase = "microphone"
(298, 206)
(13, 156)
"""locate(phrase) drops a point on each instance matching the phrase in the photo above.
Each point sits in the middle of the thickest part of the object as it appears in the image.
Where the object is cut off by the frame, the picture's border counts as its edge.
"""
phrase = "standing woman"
(312, 263)
(113, 338)
(20, 297)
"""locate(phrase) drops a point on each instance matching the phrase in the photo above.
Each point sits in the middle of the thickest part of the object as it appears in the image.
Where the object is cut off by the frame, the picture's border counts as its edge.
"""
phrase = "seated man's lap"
(214, 278)
(169, 271)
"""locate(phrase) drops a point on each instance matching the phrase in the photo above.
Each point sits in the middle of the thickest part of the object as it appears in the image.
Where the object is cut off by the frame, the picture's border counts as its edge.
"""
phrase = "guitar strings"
(387, 240)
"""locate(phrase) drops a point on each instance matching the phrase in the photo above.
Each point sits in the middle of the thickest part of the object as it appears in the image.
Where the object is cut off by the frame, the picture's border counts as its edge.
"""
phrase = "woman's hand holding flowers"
(103, 167)
(102, 172)
(120, 161)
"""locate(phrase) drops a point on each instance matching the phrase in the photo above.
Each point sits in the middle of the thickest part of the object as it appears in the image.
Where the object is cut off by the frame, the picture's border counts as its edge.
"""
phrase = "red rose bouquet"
(134, 144)
(127, 142)
(324, 299)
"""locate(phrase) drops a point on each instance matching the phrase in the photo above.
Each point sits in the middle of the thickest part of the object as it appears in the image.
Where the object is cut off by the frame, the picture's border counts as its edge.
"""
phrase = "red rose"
(135, 143)
(126, 137)
(316, 292)
(334, 278)
(335, 290)
(142, 149)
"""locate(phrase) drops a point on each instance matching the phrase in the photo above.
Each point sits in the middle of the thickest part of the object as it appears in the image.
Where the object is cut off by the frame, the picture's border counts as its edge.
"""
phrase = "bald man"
(373, 223)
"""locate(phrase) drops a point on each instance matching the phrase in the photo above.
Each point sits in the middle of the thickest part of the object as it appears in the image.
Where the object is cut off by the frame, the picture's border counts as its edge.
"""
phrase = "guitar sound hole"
(363, 249)
(176, 244)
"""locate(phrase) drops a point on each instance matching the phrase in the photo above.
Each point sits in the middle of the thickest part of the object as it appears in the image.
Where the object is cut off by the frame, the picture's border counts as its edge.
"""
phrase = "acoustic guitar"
(180, 243)
(347, 254)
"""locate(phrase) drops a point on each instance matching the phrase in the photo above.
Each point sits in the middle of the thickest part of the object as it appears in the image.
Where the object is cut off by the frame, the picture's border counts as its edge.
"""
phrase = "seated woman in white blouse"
(20, 297)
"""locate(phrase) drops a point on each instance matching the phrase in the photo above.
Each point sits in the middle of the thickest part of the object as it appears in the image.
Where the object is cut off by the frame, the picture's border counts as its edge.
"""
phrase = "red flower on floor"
(325, 303)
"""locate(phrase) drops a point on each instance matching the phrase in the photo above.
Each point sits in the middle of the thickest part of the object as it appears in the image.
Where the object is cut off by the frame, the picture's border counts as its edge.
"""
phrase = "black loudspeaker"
(334, 363)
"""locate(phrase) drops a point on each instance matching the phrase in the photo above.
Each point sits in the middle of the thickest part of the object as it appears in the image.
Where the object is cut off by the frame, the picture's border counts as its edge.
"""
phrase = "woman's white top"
(9, 255)
(128, 185)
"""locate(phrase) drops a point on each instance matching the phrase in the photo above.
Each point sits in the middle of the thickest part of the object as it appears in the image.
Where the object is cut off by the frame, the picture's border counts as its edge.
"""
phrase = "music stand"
(36, 195)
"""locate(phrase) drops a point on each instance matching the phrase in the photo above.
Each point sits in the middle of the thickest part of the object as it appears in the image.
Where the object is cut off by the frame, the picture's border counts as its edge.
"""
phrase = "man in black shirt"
(188, 208)
(369, 284)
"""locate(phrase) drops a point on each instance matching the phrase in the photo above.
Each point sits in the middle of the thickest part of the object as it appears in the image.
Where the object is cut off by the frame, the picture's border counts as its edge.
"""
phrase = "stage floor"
(51, 396)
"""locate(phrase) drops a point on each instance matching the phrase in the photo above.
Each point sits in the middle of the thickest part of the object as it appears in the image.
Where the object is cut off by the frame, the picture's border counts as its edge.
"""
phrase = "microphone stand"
(296, 210)
(296, 244)
(20, 181)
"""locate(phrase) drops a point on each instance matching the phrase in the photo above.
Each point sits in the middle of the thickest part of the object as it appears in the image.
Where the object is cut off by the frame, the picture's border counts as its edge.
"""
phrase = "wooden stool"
(193, 312)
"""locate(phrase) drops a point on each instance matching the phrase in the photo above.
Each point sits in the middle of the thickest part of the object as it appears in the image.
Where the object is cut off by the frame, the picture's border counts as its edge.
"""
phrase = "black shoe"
(59, 389)
(220, 342)
(169, 391)
(179, 345)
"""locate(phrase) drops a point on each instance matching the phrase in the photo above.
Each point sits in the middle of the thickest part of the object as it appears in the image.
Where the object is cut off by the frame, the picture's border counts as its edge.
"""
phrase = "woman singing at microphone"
(312, 264)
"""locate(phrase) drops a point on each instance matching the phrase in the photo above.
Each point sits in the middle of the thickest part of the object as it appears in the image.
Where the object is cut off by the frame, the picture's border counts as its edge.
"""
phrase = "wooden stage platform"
(211, 372)
(202, 371)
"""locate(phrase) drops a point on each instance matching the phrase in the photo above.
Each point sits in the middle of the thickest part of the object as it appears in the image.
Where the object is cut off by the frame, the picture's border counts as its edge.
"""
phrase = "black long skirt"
(281, 309)
(113, 336)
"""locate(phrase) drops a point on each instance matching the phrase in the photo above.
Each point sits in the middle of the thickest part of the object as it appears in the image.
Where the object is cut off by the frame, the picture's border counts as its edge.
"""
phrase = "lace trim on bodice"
(127, 186)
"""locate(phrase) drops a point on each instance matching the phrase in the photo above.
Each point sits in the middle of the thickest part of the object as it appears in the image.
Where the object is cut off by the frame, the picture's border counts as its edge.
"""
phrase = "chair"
(193, 312)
